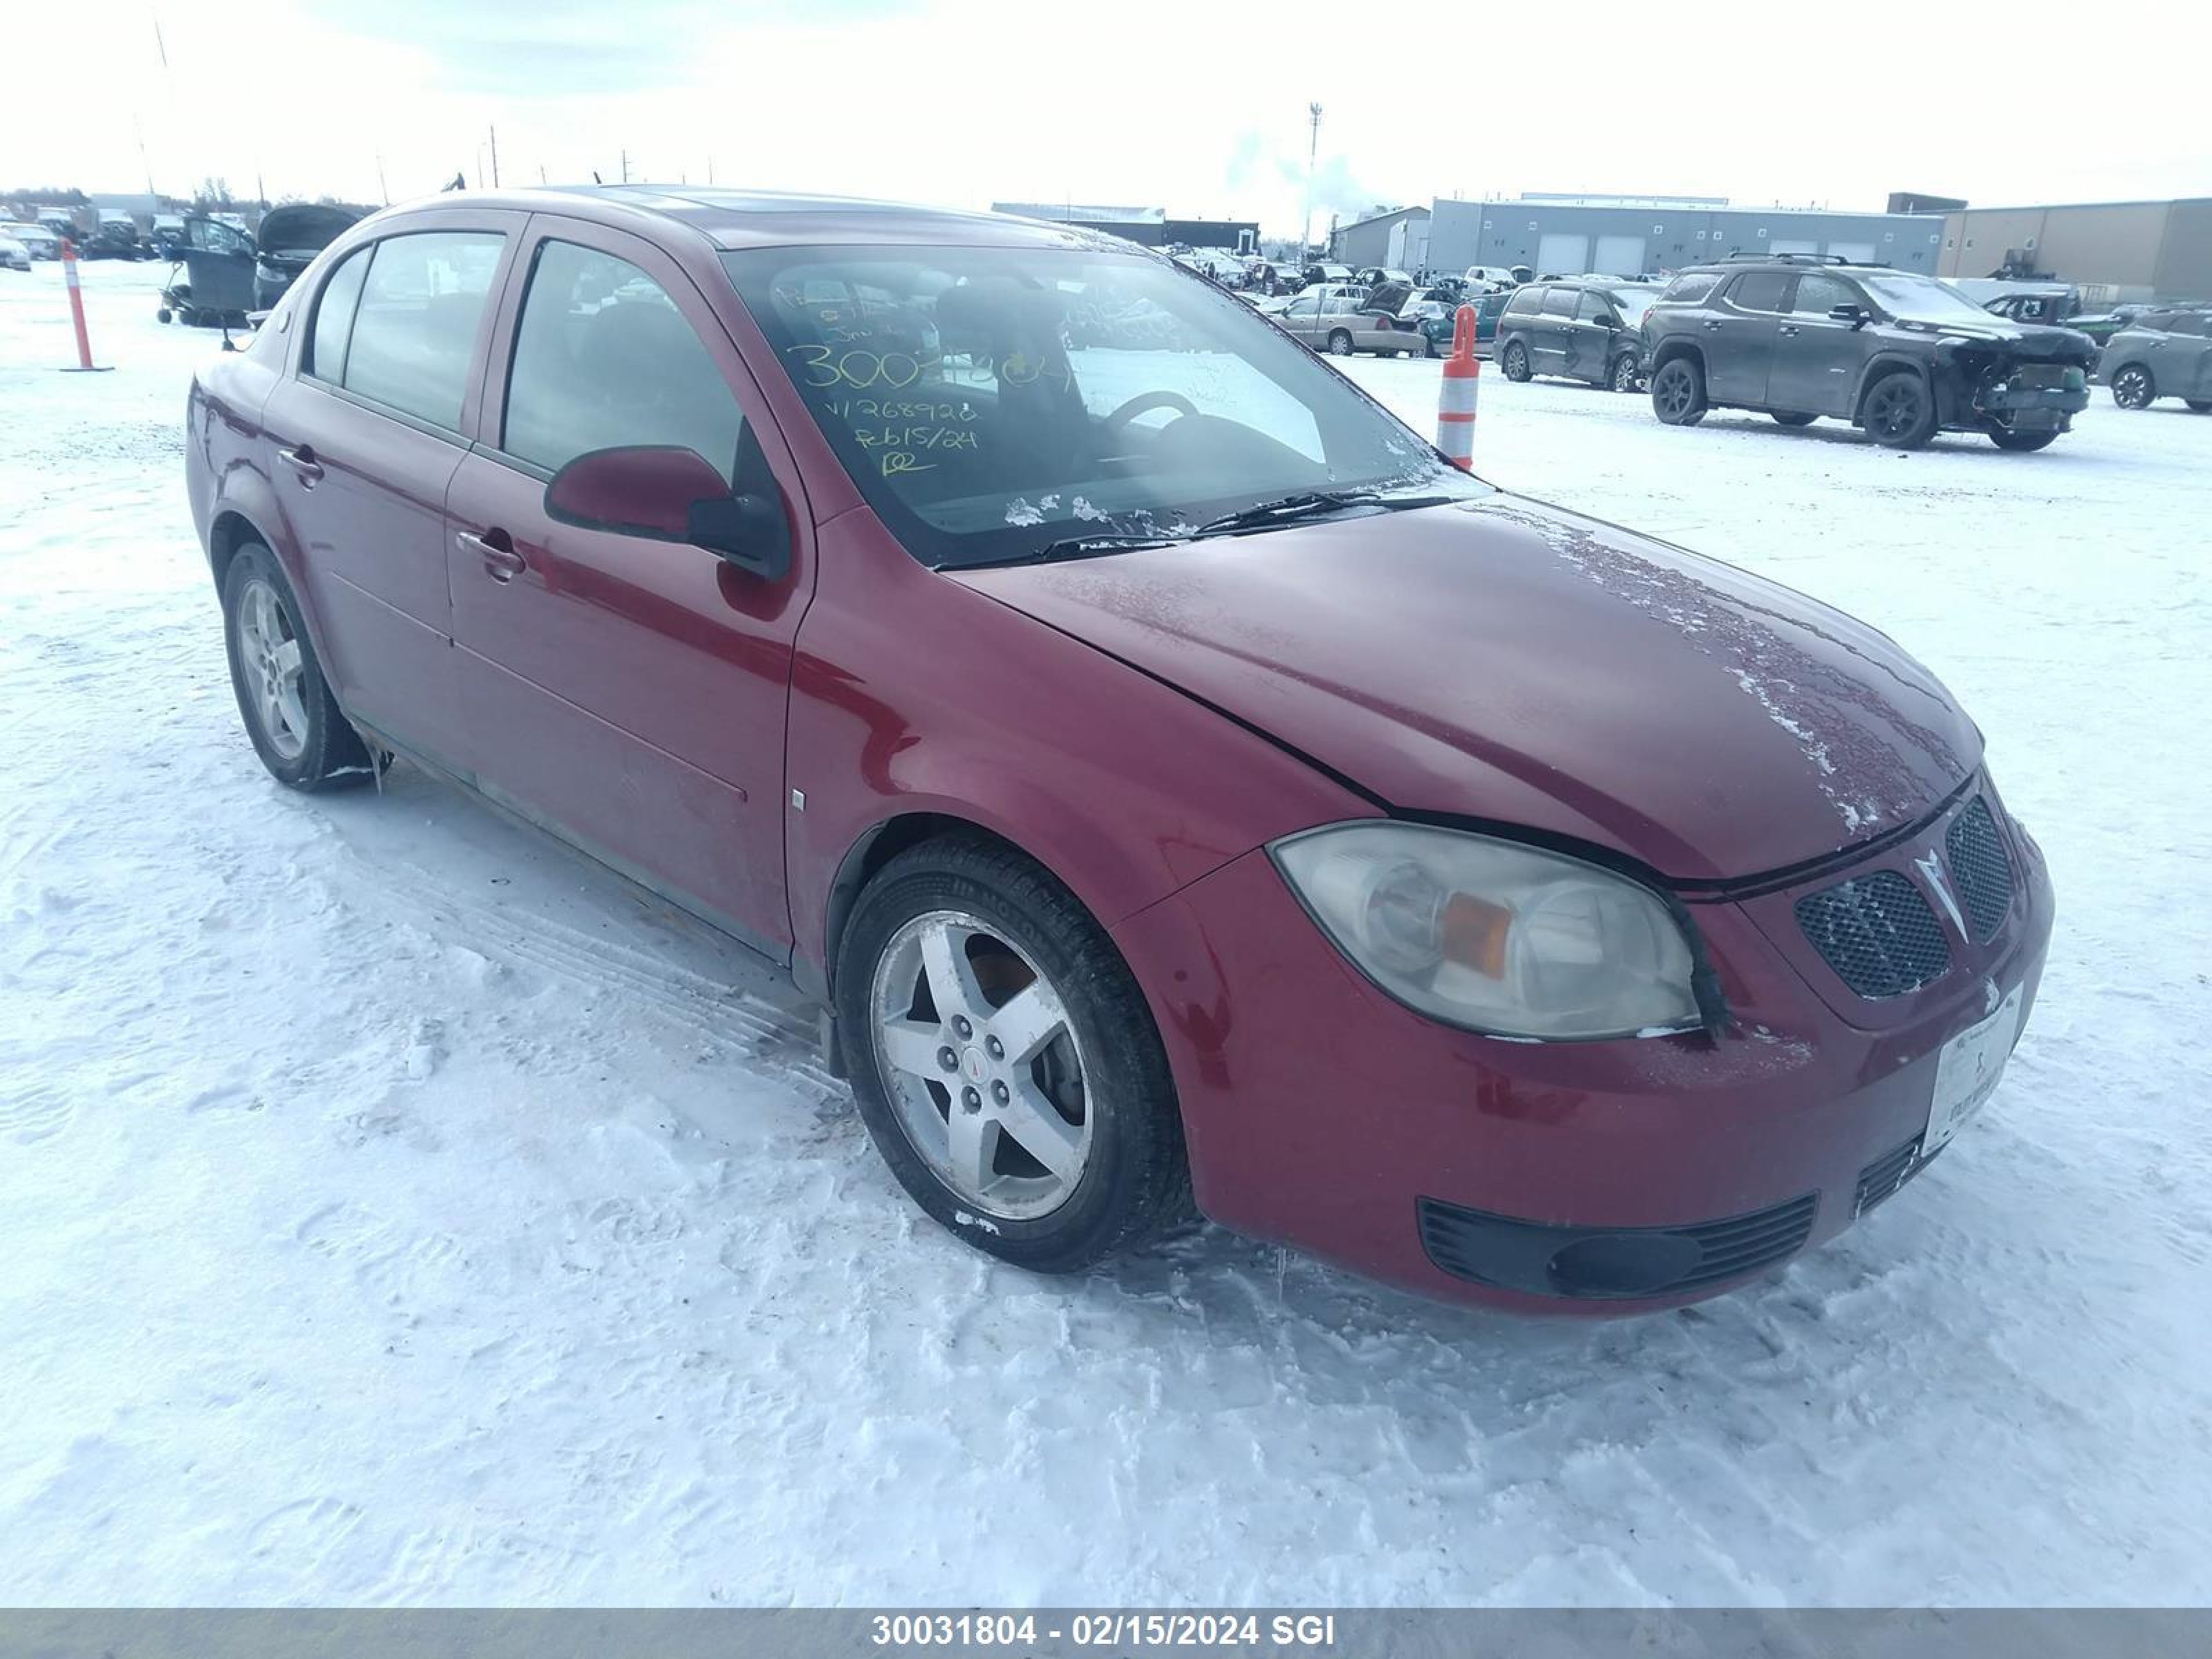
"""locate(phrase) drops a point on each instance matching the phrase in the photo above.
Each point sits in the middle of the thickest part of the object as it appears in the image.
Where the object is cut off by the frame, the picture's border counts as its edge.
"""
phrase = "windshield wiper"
(1076, 547)
(1308, 504)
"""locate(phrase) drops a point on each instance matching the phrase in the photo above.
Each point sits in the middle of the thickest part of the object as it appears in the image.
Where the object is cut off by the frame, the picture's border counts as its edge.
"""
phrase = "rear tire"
(2133, 388)
(1789, 418)
(1515, 361)
(1623, 378)
(2023, 443)
(1009, 931)
(294, 722)
(1678, 391)
(1900, 411)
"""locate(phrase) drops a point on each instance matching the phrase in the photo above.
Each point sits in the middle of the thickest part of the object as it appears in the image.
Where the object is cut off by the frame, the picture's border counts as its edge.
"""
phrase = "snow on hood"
(1510, 661)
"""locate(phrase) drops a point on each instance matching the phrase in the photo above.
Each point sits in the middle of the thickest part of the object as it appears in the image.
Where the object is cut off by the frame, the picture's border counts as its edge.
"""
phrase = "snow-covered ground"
(394, 1209)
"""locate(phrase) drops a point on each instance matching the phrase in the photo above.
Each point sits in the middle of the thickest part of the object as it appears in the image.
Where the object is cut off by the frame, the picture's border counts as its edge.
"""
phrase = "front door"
(1302, 318)
(627, 694)
(1740, 333)
(1589, 337)
(365, 439)
(1816, 358)
(1548, 331)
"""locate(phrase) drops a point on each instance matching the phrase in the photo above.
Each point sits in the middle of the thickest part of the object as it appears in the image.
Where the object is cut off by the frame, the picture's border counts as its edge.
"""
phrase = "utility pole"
(382, 187)
(494, 131)
(625, 166)
(1313, 154)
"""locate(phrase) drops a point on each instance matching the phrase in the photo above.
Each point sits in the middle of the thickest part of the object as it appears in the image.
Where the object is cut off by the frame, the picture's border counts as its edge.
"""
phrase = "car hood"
(1508, 661)
(2030, 340)
(304, 228)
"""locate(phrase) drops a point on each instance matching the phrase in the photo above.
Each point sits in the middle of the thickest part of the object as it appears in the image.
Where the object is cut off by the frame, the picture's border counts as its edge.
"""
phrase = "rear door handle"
(501, 561)
(302, 461)
(1712, 322)
(1788, 328)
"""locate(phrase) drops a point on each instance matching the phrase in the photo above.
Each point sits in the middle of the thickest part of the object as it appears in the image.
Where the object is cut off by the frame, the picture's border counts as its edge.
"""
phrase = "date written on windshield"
(1314, 1631)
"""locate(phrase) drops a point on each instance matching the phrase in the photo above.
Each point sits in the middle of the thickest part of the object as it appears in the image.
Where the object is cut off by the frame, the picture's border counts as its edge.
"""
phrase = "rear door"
(1739, 335)
(367, 435)
(2186, 357)
(1816, 358)
(628, 694)
(1548, 349)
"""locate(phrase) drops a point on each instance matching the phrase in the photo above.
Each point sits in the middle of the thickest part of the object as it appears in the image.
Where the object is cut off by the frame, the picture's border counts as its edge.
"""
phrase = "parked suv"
(2161, 354)
(1066, 721)
(1584, 327)
(1901, 357)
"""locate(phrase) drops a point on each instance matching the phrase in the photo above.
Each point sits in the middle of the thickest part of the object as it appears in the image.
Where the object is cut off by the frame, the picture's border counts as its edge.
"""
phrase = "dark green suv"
(1801, 337)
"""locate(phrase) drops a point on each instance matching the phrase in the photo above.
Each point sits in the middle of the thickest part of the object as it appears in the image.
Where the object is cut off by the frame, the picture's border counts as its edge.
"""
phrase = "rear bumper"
(1600, 1177)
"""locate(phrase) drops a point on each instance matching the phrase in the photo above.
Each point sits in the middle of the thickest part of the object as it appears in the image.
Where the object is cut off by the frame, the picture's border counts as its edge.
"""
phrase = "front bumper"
(1611, 1177)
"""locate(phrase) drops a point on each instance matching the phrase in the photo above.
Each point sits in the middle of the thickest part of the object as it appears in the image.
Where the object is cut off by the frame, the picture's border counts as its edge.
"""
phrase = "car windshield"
(990, 403)
(1634, 302)
(1922, 299)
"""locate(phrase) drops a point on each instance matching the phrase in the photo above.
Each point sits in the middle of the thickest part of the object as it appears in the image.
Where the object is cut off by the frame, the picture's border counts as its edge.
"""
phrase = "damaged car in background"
(1805, 337)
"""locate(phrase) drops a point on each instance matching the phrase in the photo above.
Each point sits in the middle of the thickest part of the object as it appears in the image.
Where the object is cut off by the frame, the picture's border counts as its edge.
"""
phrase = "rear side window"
(2187, 322)
(414, 329)
(1524, 300)
(1685, 290)
(604, 359)
(1560, 302)
(1759, 290)
(334, 312)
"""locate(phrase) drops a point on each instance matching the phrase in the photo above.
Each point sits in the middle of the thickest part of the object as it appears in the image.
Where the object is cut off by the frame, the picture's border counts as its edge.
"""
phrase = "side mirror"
(1856, 316)
(664, 494)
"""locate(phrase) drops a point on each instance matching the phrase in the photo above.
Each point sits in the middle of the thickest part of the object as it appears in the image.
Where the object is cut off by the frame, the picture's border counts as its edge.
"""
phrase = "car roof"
(733, 219)
(1798, 262)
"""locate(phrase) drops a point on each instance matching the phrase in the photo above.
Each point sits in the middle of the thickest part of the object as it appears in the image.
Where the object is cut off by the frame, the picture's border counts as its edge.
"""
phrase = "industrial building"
(2115, 252)
(1623, 236)
(1149, 227)
(1398, 240)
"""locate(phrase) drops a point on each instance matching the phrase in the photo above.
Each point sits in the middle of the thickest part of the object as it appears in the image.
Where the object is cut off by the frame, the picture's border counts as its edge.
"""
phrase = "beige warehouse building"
(2117, 251)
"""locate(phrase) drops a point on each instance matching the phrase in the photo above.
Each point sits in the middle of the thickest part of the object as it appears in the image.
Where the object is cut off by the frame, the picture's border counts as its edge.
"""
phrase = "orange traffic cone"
(1456, 397)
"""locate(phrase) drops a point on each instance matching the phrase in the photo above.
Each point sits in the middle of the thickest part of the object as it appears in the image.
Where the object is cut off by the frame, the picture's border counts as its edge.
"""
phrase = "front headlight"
(1493, 936)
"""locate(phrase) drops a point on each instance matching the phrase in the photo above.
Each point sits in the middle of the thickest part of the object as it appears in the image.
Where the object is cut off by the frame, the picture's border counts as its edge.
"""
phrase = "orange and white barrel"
(1456, 397)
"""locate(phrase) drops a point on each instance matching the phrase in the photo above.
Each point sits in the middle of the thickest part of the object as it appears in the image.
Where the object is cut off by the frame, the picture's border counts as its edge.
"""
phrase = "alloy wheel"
(1895, 408)
(982, 1065)
(2131, 388)
(1623, 374)
(270, 648)
(1674, 392)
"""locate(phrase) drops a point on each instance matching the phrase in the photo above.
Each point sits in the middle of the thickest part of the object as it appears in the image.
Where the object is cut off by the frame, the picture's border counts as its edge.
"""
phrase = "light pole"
(1313, 152)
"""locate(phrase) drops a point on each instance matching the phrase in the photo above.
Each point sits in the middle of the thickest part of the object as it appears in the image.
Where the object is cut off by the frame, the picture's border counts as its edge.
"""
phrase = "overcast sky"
(1194, 107)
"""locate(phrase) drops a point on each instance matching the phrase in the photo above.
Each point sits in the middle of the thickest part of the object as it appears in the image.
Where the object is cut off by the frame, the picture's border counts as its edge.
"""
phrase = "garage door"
(1857, 253)
(1618, 256)
(1560, 255)
(1779, 246)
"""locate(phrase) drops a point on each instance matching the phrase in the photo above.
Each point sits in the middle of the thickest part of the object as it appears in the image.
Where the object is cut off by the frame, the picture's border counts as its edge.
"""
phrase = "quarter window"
(415, 331)
(1524, 300)
(603, 359)
(1685, 290)
(1560, 302)
(334, 314)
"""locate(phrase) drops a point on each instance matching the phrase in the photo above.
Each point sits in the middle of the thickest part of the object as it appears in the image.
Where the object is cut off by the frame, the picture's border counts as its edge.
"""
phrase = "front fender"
(912, 693)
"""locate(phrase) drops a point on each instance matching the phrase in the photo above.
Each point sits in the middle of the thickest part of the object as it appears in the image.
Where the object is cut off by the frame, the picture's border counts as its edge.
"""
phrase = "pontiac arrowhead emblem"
(1931, 869)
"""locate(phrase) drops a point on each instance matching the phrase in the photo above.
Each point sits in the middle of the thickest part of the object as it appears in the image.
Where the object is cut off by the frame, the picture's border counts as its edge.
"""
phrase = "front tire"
(1052, 1139)
(1791, 417)
(294, 722)
(1623, 378)
(2133, 387)
(1340, 344)
(1678, 392)
(2022, 443)
(1515, 361)
(1900, 411)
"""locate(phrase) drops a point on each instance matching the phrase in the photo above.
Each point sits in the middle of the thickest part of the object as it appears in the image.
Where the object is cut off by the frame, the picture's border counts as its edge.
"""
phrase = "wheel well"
(869, 854)
(1673, 348)
(1881, 371)
(229, 532)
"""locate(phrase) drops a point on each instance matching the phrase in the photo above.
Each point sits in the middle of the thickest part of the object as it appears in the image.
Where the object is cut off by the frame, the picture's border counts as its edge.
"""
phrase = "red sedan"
(1177, 784)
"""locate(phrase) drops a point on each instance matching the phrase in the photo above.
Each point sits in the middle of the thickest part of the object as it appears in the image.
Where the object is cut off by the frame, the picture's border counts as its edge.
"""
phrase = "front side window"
(992, 401)
(1759, 290)
(415, 329)
(1818, 294)
(1308, 306)
(334, 314)
(603, 359)
(1593, 308)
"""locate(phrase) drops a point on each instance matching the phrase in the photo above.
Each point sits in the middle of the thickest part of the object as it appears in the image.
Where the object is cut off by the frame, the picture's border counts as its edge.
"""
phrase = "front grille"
(1881, 1178)
(1982, 867)
(1603, 1263)
(1877, 932)
(2046, 377)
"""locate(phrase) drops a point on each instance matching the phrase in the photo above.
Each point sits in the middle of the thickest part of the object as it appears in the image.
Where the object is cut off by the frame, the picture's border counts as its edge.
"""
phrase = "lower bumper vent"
(1609, 1263)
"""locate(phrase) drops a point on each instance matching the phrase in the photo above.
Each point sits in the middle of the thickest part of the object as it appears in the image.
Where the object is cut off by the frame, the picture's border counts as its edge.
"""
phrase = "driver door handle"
(1712, 322)
(501, 561)
(1788, 328)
